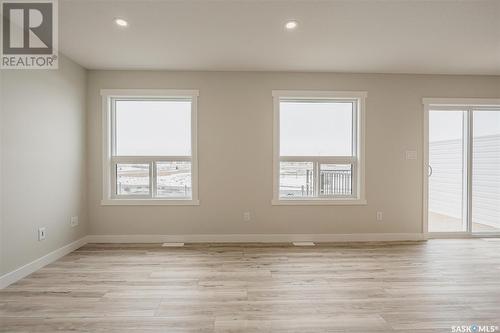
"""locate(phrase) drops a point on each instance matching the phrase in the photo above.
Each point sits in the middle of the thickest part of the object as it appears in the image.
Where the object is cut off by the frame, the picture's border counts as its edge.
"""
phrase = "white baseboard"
(21, 272)
(255, 238)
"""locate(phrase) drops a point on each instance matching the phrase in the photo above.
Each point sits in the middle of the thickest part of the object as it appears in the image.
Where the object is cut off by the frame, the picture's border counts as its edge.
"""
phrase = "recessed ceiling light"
(291, 25)
(121, 22)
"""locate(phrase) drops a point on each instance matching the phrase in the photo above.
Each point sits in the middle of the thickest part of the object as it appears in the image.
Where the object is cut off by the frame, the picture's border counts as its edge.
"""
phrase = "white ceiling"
(375, 36)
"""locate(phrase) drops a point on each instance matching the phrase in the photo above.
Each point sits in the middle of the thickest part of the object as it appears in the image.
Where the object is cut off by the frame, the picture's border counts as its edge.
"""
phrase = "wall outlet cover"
(74, 221)
(380, 216)
(246, 216)
(42, 233)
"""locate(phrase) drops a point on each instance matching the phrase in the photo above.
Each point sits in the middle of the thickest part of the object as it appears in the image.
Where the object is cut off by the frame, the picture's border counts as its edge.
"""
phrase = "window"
(149, 147)
(318, 147)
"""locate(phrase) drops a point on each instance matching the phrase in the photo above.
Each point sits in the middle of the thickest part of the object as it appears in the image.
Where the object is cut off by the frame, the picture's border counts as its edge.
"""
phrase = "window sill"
(318, 202)
(149, 202)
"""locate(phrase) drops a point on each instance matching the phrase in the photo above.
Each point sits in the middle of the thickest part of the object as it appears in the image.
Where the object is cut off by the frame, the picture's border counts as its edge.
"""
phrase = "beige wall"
(235, 153)
(46, 116)
(43, 160)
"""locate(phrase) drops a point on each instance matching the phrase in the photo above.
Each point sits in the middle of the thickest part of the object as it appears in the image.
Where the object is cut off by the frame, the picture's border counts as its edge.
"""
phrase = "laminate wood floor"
(364, 287)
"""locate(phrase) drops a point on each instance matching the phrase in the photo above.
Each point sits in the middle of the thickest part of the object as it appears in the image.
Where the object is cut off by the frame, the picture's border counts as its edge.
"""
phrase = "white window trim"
(358, 172)
(108, 160)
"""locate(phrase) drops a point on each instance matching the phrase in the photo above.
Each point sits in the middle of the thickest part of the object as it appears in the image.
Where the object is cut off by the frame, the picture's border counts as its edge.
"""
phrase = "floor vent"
(172, 245)
(303, 244)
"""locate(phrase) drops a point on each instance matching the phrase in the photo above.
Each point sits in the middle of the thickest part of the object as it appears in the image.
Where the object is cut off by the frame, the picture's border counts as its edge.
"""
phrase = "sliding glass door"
(463, 169)
(486, 171)
(447, 171)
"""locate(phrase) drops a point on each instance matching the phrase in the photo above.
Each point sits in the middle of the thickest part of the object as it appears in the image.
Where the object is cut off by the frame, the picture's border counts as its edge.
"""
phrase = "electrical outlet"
(380, 216)
(42, 233)
(246, 216)
(74, 221)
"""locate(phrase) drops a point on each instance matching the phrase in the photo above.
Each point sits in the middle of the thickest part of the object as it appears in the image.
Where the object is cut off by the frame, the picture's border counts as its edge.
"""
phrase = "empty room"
(250, 166)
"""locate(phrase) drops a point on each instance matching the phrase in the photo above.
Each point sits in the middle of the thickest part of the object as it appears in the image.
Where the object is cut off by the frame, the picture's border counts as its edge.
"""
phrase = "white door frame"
(466, 104)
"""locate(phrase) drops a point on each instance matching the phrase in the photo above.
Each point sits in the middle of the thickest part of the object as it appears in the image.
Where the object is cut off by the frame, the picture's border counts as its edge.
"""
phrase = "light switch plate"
(411, 154)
